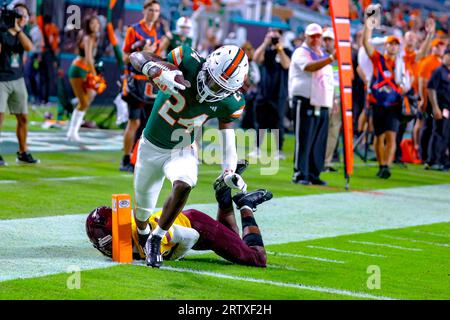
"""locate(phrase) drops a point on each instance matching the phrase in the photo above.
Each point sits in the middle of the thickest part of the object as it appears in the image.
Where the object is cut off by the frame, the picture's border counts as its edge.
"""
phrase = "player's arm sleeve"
(176, 55)
(185, 238)
(229, 153)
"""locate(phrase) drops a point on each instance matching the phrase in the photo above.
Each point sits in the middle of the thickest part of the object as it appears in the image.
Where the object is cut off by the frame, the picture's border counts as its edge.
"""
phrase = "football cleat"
(142, 238)
(152, 251)
(252, 199)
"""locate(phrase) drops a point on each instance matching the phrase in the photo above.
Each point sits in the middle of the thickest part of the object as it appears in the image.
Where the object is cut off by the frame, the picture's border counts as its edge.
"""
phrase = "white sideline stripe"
(283, 254)
(70, 178)
(432, 233)
(417, 241)
(384, 245)
(8, 181)
(347, 251)
(280, 284)
(55, 179)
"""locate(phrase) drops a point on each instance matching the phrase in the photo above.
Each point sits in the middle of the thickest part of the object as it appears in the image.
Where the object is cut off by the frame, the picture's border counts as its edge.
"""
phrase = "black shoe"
(252, 199)
(220, 185)
(142, 238)
(26, 157)
(330, 169)
(437, 167)
(2, 162)
(152, 251)
(385, 173)
(380, 171)
(301, 181)
(318, 182)
(426, 166)
(126, 167)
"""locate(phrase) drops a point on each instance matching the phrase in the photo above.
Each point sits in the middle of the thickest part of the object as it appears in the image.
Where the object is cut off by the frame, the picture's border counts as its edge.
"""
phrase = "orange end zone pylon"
(121, 228)
(340, 13)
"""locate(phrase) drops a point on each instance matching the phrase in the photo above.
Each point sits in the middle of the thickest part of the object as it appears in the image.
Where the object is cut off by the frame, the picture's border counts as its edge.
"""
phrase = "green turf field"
(413, 262)
(348, 273)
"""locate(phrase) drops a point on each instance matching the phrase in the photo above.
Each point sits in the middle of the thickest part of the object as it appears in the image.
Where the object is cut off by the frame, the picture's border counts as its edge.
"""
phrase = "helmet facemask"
(209, 90)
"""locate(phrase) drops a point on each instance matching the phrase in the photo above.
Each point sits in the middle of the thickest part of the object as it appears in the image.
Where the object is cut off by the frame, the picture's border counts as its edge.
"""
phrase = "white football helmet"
(222, 74)
(184, 26)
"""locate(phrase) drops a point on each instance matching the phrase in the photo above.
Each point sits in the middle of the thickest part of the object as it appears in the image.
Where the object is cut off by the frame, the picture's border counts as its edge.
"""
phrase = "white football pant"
(152, 166)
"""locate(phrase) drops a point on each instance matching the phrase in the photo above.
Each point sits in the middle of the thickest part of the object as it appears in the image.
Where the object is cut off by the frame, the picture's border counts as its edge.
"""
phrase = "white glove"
(166, 81)
(235, 181)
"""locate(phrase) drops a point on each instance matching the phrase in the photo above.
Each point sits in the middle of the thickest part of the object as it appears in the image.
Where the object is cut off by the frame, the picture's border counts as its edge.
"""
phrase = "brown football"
(139, 59)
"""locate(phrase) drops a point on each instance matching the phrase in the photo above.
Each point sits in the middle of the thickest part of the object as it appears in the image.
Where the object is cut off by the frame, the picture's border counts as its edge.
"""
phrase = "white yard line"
(8, 181)
(281, 284)
(384, 245)
(274, 266)
(292, 255)
(70, 178)
(433, 233)
(417, 241)
(347, 251)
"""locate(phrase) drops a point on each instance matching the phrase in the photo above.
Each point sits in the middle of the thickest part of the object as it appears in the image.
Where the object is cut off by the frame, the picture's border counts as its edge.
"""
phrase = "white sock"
(145, 231)
(79, 116)
(70, 132)
(159, 232)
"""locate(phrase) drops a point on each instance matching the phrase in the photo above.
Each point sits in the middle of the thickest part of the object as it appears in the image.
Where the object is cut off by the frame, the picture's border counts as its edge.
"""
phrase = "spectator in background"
(411, 59)
(335, 117)
(33, 62)
(311, 88)
(13, 92)
(49, 60)
(424, 143)
(251, 86)
(389, 83)
(270, 104)
(138, 91)
(358, 90)
(439, 94)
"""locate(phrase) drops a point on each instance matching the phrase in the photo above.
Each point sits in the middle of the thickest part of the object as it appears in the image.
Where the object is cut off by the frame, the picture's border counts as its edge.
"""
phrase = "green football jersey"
(175, 119)
(176, 42)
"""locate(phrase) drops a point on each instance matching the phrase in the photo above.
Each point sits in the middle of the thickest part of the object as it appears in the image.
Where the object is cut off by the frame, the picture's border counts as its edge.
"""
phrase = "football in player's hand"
(140, 59)
(156, 70)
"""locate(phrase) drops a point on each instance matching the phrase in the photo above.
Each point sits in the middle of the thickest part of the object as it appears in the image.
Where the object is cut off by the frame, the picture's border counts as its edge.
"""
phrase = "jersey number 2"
(179, 106)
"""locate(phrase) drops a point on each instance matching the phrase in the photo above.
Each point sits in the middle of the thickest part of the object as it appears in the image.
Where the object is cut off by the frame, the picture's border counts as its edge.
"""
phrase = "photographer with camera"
(271, 99)
(13, 92)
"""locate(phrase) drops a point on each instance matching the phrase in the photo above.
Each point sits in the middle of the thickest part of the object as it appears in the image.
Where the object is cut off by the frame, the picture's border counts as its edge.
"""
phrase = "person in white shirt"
(311, 89)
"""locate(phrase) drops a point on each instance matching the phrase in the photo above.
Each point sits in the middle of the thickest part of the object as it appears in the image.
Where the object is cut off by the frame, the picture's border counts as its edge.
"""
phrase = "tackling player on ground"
(204, 89)
(195, 230)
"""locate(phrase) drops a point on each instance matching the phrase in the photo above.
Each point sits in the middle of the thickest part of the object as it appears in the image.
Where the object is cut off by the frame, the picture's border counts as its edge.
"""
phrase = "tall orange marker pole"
(121, 228)
(340, 14)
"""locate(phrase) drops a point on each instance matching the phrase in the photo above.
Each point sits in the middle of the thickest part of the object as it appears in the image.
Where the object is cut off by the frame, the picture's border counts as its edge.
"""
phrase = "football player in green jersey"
(166, 147)
(179, 38)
